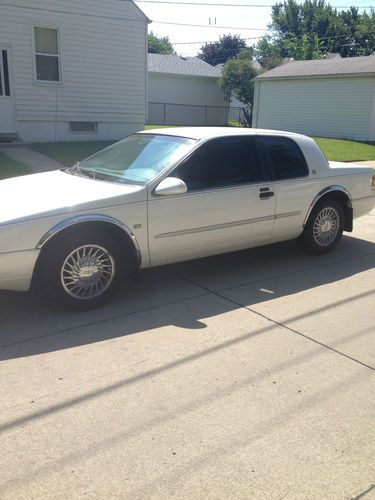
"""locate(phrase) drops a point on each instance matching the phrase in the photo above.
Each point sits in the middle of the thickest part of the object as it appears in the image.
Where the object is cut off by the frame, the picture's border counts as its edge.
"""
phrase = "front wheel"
(324, 227)
(82, 271)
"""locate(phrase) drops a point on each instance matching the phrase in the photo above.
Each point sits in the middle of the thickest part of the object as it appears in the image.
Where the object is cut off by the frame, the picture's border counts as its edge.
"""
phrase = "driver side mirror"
(171, 186)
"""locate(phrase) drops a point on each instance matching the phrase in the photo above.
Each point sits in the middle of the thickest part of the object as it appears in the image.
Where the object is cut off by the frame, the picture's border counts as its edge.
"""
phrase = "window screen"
(47, 54)
(222, 162)
(286, 158)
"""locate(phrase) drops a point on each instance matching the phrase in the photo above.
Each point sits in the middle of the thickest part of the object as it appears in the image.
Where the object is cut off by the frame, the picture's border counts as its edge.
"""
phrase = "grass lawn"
(334, 149)
(69, 152)
(346, 150)
(11, 168)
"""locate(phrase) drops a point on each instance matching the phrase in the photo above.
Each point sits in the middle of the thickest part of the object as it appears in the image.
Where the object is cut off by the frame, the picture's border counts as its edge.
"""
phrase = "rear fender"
(342, 195)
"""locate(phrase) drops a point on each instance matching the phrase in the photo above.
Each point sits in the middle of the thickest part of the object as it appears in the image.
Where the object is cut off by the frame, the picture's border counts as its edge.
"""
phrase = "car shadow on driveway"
(179, 295)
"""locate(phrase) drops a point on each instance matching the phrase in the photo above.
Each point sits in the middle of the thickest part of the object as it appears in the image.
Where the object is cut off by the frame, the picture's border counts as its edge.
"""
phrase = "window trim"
(58, 55)
(5, 74)
(267, 158)
(261, 154)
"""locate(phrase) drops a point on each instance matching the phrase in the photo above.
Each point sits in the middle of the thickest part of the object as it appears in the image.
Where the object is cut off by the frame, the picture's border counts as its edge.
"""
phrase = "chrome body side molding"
(90, 218)
(225, 225)
(328, 189)
(287, 214)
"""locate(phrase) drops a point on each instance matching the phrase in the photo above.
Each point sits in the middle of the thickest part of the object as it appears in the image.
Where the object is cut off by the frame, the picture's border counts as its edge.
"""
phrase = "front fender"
(80, 219)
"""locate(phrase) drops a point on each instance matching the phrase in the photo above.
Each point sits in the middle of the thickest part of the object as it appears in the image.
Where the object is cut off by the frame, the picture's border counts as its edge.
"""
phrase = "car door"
(229, 204)
(291, 184)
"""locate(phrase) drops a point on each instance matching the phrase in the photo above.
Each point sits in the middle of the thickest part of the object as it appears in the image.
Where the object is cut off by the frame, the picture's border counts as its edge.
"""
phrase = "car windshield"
(135, 160)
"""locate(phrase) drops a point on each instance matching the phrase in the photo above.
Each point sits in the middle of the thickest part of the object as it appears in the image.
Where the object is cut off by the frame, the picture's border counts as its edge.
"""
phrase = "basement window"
(83, 127)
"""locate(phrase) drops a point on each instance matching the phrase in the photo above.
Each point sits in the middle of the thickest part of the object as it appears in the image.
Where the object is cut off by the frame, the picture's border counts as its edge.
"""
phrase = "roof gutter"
(305, 77)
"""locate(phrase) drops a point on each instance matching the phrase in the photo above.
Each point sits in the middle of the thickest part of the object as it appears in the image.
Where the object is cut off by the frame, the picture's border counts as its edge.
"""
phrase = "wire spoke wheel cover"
(87, 272)
(326, 226)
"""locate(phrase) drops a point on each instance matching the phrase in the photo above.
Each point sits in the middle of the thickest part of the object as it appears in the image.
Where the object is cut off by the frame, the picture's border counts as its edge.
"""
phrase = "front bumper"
(16, 270)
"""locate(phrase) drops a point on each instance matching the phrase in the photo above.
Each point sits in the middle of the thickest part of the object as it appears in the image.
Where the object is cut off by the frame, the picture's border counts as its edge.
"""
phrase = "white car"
(170, 195)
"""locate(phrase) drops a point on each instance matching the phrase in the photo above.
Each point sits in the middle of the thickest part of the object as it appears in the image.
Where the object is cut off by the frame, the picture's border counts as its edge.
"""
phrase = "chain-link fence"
(188, 114)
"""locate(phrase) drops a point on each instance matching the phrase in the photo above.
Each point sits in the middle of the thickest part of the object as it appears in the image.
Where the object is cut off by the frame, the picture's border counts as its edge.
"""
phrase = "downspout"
(256, 104)
(146, 72)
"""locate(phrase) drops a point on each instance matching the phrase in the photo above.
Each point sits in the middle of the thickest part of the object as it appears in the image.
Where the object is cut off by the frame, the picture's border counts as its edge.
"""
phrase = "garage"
(326, 98)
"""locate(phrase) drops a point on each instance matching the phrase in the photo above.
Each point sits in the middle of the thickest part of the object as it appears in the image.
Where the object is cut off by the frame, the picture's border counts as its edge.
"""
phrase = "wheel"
(324, 227)
(82, 270)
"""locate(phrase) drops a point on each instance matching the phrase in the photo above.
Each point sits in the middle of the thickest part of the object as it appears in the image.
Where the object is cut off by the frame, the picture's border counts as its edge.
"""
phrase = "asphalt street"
(242, 376)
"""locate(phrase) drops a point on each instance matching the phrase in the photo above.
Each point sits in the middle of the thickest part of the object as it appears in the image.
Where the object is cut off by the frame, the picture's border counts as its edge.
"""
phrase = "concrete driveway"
(243, 376)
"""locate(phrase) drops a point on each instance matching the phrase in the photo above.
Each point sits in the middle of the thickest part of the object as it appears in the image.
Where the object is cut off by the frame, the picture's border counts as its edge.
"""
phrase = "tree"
(312, 29)
(219, 52)
(238, 80)
(362, 33)
(159, 45)
(268, 53)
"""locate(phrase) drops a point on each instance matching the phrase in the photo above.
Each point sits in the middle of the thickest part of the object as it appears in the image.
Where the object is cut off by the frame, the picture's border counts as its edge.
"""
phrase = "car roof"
(208, 132)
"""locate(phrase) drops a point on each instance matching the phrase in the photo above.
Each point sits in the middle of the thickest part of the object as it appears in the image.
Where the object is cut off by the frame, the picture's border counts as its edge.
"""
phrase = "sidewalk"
(36, 161)
(367, 163)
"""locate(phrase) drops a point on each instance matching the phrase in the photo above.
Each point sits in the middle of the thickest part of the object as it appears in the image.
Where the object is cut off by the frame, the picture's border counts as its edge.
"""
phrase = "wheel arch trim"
(323, 192)
(79, 219)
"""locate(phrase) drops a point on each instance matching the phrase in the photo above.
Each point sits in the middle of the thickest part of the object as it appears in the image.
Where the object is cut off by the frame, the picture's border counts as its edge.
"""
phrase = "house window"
(83, 127)
(47, 57)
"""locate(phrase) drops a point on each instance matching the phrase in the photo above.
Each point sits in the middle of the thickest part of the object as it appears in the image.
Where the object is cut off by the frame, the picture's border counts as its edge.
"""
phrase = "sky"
(248, 22)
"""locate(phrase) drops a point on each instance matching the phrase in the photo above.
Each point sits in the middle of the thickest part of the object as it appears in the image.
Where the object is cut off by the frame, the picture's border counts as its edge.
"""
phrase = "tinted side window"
(222, 162)
(286, 158)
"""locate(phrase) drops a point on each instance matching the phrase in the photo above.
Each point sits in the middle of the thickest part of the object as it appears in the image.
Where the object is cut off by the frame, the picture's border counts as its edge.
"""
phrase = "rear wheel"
(82, 270)
(324, 227)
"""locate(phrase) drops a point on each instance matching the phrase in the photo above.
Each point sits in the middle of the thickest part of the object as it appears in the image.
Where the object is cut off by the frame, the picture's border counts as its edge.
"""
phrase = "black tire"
(324, 227)
(81, 270)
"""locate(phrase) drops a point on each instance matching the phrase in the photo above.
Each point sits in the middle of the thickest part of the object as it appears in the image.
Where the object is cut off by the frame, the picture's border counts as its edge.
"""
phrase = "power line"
(211, 26)
(328, 38)
(332, 37)
(213, 41)
(262, 6)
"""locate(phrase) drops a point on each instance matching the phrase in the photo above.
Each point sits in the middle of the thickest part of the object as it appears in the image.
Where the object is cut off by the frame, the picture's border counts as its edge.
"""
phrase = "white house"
(329, 98)
(72, 70)
(184, 91)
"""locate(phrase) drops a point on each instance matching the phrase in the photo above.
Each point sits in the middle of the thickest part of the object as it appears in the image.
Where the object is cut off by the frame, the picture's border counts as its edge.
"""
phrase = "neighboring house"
(72, 70)
(329, 98)
(184, 91)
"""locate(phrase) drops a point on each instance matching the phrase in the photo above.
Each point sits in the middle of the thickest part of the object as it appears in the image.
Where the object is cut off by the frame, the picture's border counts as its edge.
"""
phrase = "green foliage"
(312, 29)
(268, 53)
(303, 48)
(220, 52)
(237, 77)
(160, 45)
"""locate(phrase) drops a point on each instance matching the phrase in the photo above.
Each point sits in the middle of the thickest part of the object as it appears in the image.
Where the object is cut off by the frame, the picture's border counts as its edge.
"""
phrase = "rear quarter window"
(286, 158)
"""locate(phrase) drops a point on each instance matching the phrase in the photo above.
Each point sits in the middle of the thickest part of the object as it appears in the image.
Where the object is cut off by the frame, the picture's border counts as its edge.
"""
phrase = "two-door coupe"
(170, 195)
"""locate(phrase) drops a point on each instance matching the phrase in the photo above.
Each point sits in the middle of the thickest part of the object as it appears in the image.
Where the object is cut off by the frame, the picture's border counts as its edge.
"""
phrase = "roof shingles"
(350, 66)
(176, 65)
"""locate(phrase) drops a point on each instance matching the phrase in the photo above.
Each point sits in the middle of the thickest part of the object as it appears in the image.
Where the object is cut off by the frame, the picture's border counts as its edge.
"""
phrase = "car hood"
(42, 195)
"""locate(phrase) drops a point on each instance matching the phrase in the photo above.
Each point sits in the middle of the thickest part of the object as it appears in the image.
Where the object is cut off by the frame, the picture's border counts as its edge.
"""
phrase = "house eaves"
(137, 10)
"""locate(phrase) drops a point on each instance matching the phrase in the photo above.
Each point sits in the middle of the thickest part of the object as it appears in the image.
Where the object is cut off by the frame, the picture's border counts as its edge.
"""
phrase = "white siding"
(328, 107)
(103, 67)
(190, 100)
